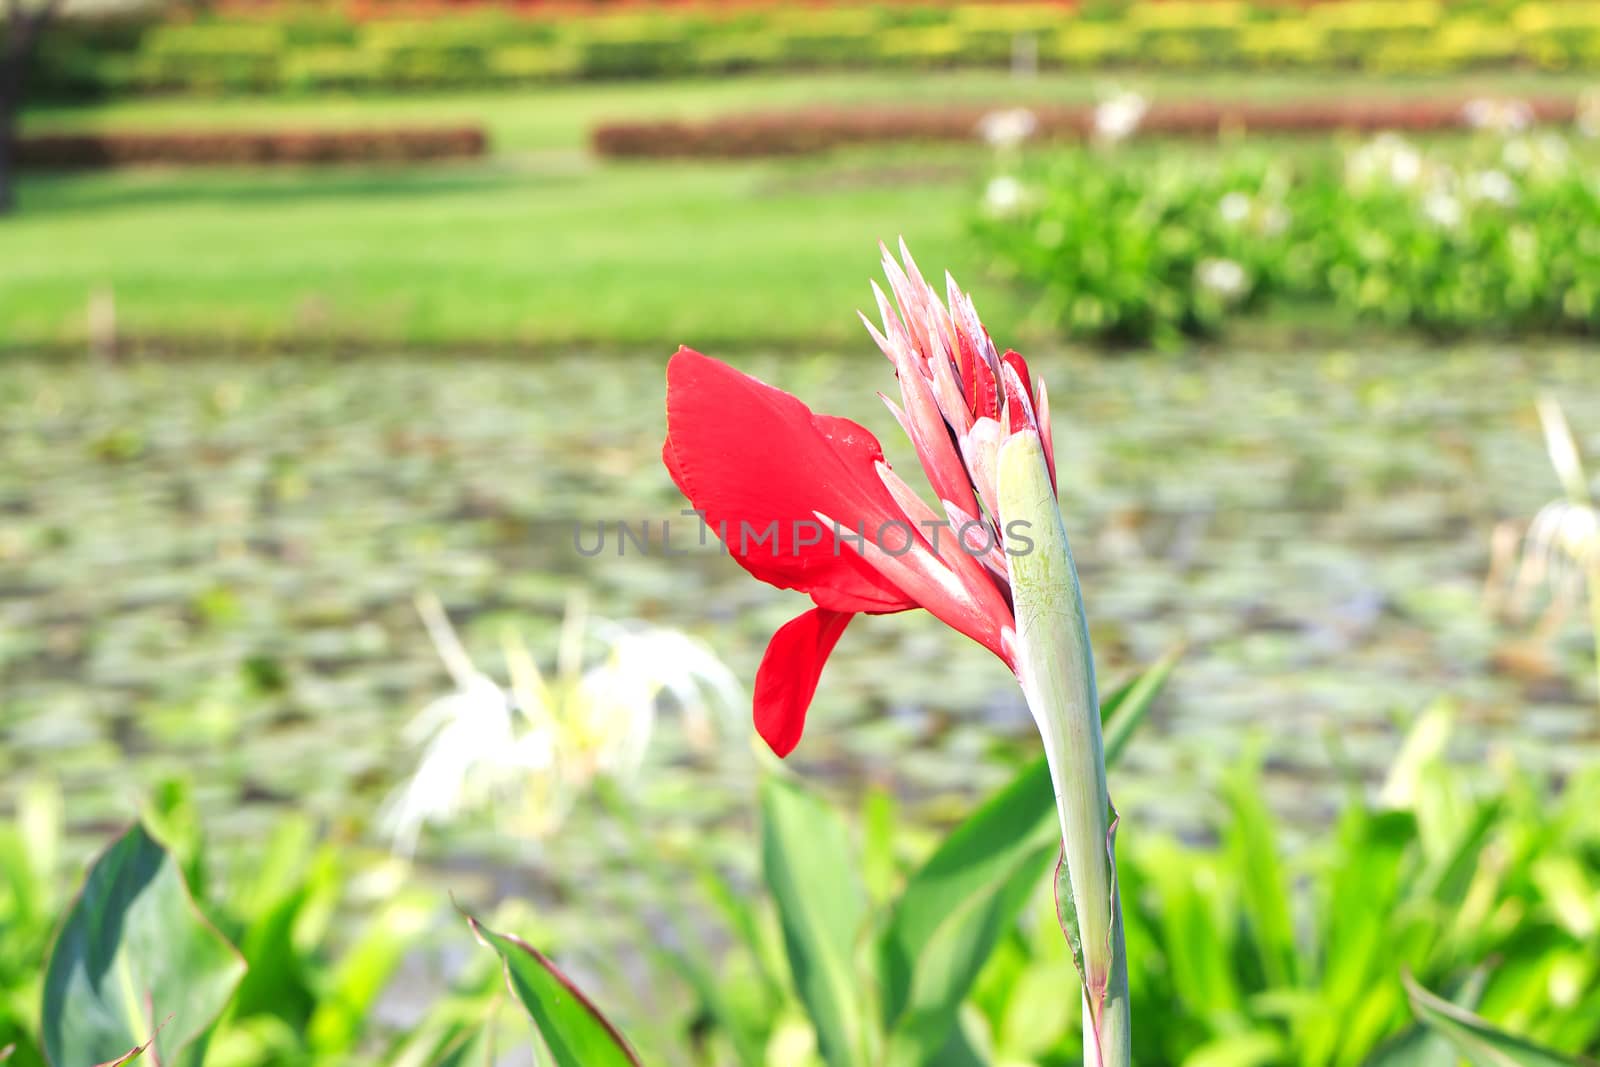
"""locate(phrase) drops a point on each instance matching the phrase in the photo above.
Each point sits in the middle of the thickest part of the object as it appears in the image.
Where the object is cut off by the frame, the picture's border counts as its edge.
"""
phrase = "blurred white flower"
(1540, 157)
(523, 753)
(1493, 186)
(1003, 196)
(1234, 208)
(1563, 534)
(1274, 220)
(1386, 159)
(1443, 209)
(1559, 550)
(1008, 128)
(1223, 278)
(1497, 116)
(1118, 116)
(1587, 119)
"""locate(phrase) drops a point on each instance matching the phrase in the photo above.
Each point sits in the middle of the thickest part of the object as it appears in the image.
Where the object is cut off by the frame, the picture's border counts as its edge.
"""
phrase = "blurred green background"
(249, 410)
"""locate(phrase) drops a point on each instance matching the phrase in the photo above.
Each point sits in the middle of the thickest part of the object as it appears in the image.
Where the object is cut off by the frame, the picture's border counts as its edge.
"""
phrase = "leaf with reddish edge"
(573, 1029)
(128, 1057)
(135, 965)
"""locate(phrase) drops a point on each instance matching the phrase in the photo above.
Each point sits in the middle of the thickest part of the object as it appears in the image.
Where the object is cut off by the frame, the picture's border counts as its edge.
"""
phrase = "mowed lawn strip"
(539, 245)
(655, 254)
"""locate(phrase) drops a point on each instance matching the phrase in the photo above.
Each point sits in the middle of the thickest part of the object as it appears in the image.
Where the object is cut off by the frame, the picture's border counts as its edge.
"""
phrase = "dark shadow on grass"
(60, 192)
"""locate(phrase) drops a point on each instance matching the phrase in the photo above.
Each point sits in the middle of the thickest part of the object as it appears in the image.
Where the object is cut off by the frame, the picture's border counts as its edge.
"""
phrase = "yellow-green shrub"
(213, 56)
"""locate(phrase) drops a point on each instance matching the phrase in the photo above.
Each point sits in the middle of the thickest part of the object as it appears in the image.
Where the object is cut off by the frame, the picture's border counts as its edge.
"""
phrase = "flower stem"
(1055, 666)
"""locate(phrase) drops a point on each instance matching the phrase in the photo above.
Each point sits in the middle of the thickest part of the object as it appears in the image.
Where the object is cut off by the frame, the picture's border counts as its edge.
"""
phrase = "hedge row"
(329, 48)
(279, 146)
(816, 130)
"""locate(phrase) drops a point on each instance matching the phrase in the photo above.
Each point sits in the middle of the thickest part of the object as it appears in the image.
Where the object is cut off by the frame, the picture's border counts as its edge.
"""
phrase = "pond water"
(207, 569)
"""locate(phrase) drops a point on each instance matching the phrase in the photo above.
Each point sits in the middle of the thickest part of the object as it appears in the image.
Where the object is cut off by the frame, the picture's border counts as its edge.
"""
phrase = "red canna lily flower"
(806, 501)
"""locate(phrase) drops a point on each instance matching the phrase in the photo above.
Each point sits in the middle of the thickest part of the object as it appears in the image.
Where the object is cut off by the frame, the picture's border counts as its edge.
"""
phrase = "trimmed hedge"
(800, 132)
(72, 151)
(322, 48)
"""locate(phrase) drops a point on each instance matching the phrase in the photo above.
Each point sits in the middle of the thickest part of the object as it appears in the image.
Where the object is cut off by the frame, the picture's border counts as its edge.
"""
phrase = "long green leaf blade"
(1480, 1043)
(573, 1029)
(1123, 711)
(959, 904)
(135, 964)
(822, 907)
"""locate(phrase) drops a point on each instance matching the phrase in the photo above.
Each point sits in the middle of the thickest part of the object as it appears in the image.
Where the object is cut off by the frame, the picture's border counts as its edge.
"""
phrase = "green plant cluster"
(1483, 885)
(278, 961)
(310, 48)
(1479, 882)
(1472, 879)
(1501, 236)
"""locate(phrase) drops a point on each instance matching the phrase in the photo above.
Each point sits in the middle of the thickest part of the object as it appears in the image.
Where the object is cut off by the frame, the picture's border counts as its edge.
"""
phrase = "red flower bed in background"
(817, 130)
(267, 146)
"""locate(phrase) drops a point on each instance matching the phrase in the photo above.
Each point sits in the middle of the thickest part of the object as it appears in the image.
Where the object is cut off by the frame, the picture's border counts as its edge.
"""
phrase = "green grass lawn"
(540, 245)
(617, 255)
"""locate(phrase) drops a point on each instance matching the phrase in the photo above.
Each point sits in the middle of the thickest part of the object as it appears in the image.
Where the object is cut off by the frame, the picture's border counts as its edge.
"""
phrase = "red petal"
(1014, 404)
(787, 678)
(986, 401)
(748, 455)
(1014, 358)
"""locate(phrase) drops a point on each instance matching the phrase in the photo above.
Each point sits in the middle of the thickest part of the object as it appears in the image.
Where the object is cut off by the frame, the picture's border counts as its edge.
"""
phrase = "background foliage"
(304, 48)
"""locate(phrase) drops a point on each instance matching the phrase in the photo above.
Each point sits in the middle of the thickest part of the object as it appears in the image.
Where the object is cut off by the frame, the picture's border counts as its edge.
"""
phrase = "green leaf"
(1480, 1043)
(960, 903)
(958, 1050)
(822, 907)
(697, 971)
(573, 1029)
(1251, 840)
(127, 1057)
(1040, 1012)
(1249, 1048)
(473, 1048)
(878, 868)
(352, 987)
(134, 957)
(1421, 1046)
(1125, 709)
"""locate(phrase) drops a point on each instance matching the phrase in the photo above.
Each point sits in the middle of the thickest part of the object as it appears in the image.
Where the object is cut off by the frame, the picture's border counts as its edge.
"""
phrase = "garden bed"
(361, 48)
(817, 130)
(204, 148)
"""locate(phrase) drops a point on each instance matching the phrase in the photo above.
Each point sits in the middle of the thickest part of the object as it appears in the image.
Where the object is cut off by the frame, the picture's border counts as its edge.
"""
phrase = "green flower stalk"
(1055, 667)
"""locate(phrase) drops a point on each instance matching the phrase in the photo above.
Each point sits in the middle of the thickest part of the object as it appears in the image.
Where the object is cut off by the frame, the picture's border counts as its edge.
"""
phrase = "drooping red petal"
(787, 678)
(759, 465)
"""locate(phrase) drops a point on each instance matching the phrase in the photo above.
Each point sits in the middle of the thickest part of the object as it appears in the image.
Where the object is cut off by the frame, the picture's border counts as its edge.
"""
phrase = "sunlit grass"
(620, 255)
(541, 245)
